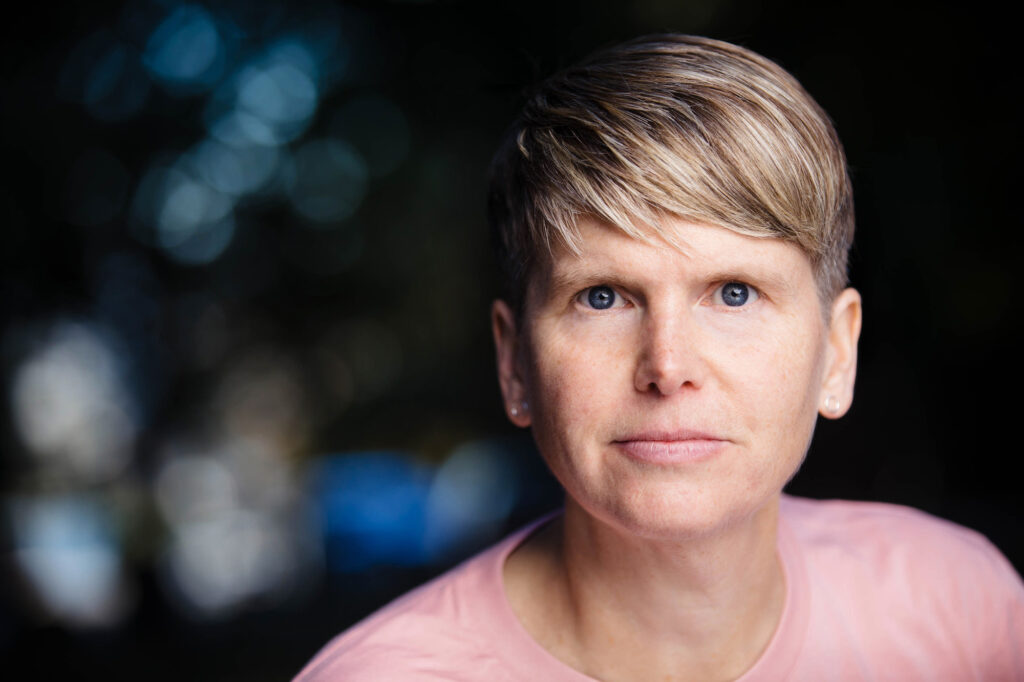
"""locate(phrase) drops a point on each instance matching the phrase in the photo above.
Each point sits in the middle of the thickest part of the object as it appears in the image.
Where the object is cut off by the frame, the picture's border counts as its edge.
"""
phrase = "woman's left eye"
(735, 294)
(599, 298)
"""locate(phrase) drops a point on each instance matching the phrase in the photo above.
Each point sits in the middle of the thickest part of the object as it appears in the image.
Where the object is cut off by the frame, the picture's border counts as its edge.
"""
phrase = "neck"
(606, 601)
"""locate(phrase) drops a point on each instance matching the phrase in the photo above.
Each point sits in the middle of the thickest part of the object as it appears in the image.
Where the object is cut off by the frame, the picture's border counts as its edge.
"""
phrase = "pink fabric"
(874, 592)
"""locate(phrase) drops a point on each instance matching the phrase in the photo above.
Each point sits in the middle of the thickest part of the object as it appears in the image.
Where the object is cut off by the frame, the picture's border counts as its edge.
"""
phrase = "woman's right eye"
(600, 297)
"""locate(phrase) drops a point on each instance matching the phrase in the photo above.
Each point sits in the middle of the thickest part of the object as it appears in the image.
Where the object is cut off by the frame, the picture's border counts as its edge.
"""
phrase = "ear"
(841, 355)
(509, 356)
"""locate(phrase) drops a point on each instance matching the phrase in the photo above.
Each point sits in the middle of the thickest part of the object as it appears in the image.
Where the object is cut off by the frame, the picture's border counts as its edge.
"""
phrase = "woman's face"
(674, 391)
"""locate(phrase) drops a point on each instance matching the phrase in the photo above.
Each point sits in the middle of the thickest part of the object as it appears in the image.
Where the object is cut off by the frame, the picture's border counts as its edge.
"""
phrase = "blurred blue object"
(235, 170)
(270, 100)
(373, 508)
(183, 215)
(185, 51)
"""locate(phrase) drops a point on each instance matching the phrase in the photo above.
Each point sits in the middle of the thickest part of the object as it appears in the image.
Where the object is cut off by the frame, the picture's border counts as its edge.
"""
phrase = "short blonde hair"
(671, 124)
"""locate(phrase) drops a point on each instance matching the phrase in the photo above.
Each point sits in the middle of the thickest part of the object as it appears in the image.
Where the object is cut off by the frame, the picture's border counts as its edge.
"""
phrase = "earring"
(514, 411)
(524, 408)
(832, 404)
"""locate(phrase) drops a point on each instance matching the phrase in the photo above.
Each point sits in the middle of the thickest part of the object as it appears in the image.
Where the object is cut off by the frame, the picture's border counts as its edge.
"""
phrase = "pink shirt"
(873, 592)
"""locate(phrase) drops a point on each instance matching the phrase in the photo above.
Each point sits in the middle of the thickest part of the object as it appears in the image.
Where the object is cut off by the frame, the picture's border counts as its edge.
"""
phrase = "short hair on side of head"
(671, 125)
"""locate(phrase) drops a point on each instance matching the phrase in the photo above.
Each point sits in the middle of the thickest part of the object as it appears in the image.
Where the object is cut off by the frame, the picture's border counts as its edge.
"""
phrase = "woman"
(673, 219)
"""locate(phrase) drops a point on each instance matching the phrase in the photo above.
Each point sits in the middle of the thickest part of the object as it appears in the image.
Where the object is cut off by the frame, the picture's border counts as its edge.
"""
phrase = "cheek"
(565, 380)
(572, 361)
(781, 388)
(577, 382)
(784, 363)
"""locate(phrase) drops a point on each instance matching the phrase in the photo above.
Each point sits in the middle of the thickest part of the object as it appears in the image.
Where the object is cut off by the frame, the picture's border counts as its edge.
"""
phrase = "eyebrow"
(572, 276)
(580, 272)
(752, 274)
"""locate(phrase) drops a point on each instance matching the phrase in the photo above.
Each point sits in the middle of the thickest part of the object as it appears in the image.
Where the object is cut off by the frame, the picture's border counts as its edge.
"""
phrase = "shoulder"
(890, 536)
(894, 570)
(404, 644)
(439, 631)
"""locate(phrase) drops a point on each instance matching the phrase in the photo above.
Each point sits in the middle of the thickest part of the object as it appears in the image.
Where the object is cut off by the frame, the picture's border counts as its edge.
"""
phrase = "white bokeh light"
(66, 548)
(71, 405)
(219, 563)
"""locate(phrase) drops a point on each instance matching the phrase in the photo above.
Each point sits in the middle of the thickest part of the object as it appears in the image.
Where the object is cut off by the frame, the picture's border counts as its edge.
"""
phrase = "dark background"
(238, 397)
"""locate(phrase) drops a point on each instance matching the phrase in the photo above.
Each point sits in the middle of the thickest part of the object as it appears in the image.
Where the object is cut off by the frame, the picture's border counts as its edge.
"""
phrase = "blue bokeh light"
(373, 506)
(189, 220)
(185, 52)
(241, 129)
(269, 101)
(235, 170)
(279, 94)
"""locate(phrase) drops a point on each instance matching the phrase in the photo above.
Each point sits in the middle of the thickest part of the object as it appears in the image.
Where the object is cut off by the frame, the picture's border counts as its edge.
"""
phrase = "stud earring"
(832, 404)
(523, 408)
(514, 411)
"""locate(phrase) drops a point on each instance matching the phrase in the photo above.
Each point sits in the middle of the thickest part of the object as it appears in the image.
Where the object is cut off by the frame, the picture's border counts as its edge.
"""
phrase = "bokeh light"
(473, 493)
(373, 509)
(219, 564)
(235, 170)
(189, 220)
(238, 532)
(185, 52)
(261, 397)
(270, 100)
(71, 405)
(68, 550)
(191, 488)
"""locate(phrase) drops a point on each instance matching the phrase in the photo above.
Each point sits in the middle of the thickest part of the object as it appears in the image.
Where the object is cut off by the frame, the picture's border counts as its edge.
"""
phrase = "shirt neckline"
(532, 661)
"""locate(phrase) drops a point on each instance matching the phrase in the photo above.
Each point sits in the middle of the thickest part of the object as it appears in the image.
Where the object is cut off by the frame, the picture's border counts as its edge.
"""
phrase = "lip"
(670, 447)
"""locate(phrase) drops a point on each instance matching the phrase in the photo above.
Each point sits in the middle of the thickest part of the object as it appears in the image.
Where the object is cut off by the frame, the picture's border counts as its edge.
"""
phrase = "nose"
(669, 359)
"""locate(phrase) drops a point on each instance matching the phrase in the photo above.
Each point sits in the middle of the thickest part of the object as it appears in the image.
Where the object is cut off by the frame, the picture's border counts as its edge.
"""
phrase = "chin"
(674, 514)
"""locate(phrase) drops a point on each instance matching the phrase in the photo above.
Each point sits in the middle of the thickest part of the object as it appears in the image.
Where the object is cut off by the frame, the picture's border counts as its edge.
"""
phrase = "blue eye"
(601, 297)
(736, 294)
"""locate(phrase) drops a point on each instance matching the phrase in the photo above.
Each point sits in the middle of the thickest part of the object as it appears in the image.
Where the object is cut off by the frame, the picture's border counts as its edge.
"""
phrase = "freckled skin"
(670, 354)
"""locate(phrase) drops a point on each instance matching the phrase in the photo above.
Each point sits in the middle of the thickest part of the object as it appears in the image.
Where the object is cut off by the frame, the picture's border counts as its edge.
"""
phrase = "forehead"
(678, 251)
